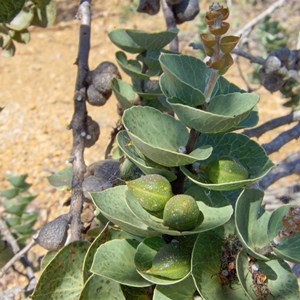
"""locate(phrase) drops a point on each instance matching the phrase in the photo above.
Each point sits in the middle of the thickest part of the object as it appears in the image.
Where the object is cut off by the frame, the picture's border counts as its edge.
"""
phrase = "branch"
(118, 127)
(171, 23)
(288, 166)
(272, 124)
(16, 257)
(282, 139)
(5, 232)
(79, 119)
(260, 17)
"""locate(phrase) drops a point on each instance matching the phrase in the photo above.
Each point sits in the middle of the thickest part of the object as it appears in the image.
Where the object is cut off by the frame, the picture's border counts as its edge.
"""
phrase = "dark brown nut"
(186, 10)
(92, 184)
(106, 170)
(173, 2)
(95, 97)
(92, 134)
(102, 77)
(53, 235)
(150, 7)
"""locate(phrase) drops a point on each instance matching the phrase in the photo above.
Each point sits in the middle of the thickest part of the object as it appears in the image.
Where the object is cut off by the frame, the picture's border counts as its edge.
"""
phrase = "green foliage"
(232, 252)
(15, 201)
(16, 17)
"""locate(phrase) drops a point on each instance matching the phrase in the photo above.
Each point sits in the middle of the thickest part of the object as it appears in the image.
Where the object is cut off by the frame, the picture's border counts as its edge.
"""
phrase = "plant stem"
(78, 123)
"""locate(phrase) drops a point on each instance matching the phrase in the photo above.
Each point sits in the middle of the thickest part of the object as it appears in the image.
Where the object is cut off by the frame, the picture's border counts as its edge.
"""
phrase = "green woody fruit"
(226, 170)
(171, 261)
(182, 213)
(152, 191)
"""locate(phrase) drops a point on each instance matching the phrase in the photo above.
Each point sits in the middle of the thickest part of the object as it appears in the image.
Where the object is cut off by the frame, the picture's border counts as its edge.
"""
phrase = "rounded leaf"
(115, 260)
(147, 166)
(224, 112)
(112, 204)
(160, 137)
(236, 147)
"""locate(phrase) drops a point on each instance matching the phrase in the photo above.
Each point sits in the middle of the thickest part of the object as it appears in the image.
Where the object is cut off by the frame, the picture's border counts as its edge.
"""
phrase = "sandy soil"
(36, 89)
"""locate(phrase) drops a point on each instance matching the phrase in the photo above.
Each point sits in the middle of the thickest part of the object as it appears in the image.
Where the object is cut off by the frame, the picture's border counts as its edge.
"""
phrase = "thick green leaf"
(124, 93)
(281, 283)
(131, 67)
(185, 78)
(22, 20)
(150, 59)
(14, 207)
(12, 221)
(250, 121)
(223, 113)
(9, 50)
(183, 290)
(288, 248)
(137, 41)
(160, 137)
(9, 193)
(88, 260)
(26, 198)
(62, 180)
(17, 181)
(9, 9)
(236, 147)
(62, 278)
(206, 264)
(44, 14)
(214, 207)
(25, 228)
(98, 287)
(147, 166)
(249, 216)
(112, 204)
(115, 260)
(135, 293)
(47, 259)
(145, 256)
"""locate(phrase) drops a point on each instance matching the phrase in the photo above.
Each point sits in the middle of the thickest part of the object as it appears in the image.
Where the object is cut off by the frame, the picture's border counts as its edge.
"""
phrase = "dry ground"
(36, 89)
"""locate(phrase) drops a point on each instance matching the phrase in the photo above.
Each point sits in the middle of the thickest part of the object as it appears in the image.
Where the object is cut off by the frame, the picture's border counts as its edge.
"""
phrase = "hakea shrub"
(191, 224)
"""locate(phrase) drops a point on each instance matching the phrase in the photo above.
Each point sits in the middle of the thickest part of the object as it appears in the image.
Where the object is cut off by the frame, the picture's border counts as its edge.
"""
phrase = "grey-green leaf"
(206, 264)
(98, 287)
(160, 137)
(124, 93)
(223, 113)
(236, 147)
(62, 180)
(115, 260)
(66, 283)
(147, 166)
(250, 215)
(112, 204)
(137, 41)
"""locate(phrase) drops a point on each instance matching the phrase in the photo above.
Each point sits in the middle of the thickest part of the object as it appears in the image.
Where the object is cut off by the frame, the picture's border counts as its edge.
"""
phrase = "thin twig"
(171, 23)
(272, 124)
(118, 127)
(78, 123)
(260, 17)
(6, 234)
(16, 257)
(282, 139)
(288, 166)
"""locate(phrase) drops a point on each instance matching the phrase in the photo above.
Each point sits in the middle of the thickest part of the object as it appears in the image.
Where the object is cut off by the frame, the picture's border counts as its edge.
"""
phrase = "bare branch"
(16, 257)
(5, 232)
(260, 17)
(171, 23)
(282, 139)
(288, 166)
(79, 119)
(118, 127)
(272, 124)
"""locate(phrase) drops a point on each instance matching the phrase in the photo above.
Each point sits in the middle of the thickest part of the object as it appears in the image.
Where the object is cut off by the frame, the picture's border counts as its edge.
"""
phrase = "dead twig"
(171, 23)
(260, 17)
(272, 124)
(282, 139)
(289, 165)
(79, 119)
(118, 127)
